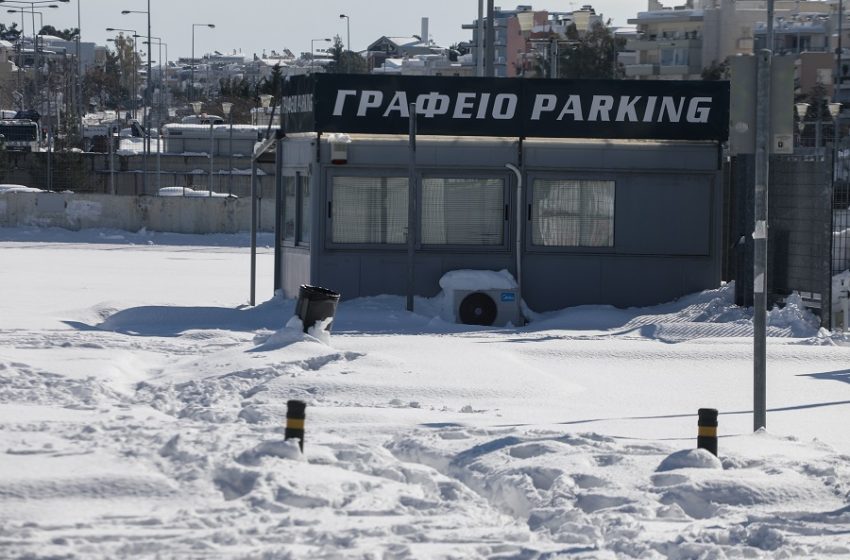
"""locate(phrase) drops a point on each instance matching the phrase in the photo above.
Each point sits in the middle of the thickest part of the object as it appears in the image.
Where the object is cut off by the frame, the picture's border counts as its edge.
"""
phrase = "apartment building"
(524, 36)
(680, 42)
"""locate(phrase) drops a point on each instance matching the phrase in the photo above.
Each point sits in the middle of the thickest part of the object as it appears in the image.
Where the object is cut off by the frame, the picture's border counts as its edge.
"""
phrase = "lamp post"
(312, 50)
(34, 37)
(834, 110)
(161, 110)
(265, 103)
(347, 30)
(347, 38)
(192, 83)
(838, 52)
(79, 84)
(20, 60)
(226, 107)
(196, 107)
(35, 13)
(32, 5)
(135, 68)
(147, 99)
(158, 42)
(801, 109)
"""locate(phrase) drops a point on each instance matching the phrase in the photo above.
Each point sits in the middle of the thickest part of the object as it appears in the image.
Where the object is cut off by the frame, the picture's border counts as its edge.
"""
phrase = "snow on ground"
(143, 407)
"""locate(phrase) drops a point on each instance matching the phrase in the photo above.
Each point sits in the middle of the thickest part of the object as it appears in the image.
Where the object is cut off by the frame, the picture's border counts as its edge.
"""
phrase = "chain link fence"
(124, 175)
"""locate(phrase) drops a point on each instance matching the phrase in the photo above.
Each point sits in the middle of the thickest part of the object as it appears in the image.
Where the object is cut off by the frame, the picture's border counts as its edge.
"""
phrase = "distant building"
(527, 40)
(61, 46)
(387, 48)
(425, 65)
(670, 43)
(675, 43)
(417, 55)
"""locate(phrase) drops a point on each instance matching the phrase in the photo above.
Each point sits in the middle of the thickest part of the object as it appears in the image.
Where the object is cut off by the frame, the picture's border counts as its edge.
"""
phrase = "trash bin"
(315, 304)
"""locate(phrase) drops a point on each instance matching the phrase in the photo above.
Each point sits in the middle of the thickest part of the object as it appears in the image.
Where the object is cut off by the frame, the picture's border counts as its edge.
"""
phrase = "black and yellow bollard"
(295, 422)
(707, 434)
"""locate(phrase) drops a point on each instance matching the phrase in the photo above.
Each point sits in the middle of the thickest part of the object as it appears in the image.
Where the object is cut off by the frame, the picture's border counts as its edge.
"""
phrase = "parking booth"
(586, 191)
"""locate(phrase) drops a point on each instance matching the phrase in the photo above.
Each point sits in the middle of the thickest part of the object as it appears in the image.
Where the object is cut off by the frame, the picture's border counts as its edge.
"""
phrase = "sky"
(250, 26)
(143, 405)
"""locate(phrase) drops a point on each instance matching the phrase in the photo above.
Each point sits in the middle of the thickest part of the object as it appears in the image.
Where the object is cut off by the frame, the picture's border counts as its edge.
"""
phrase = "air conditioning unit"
(496, 307)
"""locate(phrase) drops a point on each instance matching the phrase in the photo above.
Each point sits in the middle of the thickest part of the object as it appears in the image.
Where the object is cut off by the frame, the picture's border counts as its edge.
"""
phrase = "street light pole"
(760, 233)
(212, 152)
(191, 92)
(79, 84)
(21, 61)
(160, 112)
(347, 38)
(32, 5)
(347, 30)
(135, 70)
(312, 50)
(838, 52)
(147, 101)
(227, 107)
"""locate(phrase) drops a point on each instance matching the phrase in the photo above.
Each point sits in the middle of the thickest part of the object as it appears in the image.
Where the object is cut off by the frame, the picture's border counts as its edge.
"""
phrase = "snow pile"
(187, 192)
(9, 188)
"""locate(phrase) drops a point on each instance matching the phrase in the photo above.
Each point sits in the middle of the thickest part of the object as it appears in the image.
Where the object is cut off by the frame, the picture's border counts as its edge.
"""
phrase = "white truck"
(96, 135)
(20, 135)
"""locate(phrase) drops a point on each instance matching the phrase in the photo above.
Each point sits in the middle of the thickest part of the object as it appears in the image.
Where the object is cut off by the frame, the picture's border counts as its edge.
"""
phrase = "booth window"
(572, 213)
(289, 209)
(463, 211)
(305, 217)
(369, 210)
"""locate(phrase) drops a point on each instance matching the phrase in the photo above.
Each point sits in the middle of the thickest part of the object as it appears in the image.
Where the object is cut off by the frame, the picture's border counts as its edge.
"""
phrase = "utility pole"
(838, 52)
(479, 52)
(490, 41)
(762, 174)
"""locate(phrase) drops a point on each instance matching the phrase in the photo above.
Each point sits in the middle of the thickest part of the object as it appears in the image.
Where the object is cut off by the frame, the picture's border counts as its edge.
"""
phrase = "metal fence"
(124, 175)
(829, 139)
(809, 223)
(841, 208)
(800, 234)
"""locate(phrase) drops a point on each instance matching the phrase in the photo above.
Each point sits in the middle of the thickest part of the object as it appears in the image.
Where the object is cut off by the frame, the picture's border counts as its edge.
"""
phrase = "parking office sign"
(613, 109)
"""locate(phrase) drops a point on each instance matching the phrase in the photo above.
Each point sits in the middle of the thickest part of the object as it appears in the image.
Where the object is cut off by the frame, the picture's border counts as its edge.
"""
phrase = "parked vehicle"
(203, 118)
(20, 135)
(28, 114)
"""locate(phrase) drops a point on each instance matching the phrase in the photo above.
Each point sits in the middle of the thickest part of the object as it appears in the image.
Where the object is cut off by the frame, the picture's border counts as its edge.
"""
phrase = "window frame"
(328, 203)
(293, 241)
(303, 175)
(422, 173)
(528, 199)
(507, 201)
(295, 175)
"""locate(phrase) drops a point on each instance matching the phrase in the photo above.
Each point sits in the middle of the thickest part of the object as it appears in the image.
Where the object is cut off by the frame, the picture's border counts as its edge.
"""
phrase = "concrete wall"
(132, 213)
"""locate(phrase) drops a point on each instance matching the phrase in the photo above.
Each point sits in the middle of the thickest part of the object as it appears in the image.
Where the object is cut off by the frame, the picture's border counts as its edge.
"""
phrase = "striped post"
(295, 422)
(707, 434)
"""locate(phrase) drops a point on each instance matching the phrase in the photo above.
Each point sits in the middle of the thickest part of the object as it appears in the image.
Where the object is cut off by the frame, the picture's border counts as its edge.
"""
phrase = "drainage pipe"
(518, 174)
